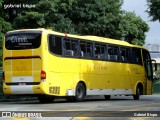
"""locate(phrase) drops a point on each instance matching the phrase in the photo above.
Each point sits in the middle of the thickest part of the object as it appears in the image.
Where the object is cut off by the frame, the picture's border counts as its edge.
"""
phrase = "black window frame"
(72, 51)
(60, 47)
(92, 44)
(23, 47)
(112, 55)
(87, 51)
(127, 56)
(136, 60)
(100, 54)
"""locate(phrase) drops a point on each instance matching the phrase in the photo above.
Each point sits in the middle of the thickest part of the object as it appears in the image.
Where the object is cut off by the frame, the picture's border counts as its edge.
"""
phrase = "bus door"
(148, 72)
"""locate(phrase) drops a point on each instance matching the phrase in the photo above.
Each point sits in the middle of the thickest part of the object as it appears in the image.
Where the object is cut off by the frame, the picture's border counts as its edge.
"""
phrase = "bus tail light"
(43, 74)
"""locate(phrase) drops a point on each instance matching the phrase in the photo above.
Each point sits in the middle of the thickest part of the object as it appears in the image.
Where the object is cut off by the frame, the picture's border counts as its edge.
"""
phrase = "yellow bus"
(50, 64)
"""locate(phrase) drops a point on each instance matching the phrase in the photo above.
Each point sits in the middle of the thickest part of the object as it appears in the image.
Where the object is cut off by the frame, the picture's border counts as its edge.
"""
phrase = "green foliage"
(133, 28)
(156, 87)
(154, 9)
(4, 27)
(95, 17)
(34, 20)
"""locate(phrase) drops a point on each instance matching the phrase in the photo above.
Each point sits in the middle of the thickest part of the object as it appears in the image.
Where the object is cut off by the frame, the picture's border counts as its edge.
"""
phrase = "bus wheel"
(46, 99)
(80, 92)
(107, 97)
(136, 97)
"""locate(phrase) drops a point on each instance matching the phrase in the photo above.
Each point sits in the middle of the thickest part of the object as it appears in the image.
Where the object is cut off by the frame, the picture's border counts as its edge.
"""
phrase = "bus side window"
(70, 47)
(67, 48)
(125, 54)
(113, 52)
(100, 51)
(103, 52)
(82, 48)
(136, 56)
(128, 55)
(97, 51)
(89, 50)
(55, 44)
(86, 49)
(75, 48)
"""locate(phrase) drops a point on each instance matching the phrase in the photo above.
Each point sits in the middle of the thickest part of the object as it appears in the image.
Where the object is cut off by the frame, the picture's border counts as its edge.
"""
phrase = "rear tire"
(46, 99)
(107, 97)
(137, 96)
(79, 94)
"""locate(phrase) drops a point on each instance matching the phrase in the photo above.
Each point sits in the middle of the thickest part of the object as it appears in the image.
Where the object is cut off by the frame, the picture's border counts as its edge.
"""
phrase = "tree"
(133, 28)
(94, 17)
(154, 9)
(25, 16)
(103, 18)
(4, 24)
(4, 27)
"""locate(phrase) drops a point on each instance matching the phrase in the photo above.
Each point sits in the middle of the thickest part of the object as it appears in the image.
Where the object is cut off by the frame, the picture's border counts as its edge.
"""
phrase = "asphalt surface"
(92, 108)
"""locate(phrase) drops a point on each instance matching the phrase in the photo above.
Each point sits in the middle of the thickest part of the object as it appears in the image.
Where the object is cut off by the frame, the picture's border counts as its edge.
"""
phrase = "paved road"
(92, 108)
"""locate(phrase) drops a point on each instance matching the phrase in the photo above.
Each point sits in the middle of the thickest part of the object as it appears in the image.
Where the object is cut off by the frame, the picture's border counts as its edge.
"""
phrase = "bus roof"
(86, 37)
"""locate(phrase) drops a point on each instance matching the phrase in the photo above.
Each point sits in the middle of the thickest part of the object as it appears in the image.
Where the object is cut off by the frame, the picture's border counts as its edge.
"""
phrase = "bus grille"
(54, 90)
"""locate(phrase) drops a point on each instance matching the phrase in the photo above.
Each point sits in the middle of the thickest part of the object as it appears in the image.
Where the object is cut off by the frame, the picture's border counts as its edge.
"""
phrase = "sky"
(139, 7)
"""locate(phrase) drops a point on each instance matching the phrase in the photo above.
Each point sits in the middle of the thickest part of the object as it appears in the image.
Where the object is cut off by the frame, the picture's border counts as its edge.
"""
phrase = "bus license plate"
(22, 83)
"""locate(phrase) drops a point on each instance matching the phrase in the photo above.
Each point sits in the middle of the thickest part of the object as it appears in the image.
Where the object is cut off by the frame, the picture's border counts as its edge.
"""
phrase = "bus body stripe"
(103, 92)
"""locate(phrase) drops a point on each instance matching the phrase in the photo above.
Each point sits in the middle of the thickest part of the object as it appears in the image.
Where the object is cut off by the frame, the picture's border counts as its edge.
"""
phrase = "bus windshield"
(22, 40)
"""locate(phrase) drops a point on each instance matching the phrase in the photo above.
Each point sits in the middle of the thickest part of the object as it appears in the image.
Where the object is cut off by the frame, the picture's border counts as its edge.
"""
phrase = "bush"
(156, 87)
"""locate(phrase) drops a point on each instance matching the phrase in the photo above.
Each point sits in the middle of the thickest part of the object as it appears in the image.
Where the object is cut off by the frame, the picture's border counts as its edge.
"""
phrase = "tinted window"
(70, 47)
(55, 45)
(125, 54)
(86, 49)
(136, 56)
(113, 53)
(100, 51)
(17, 40)
(103, 51)
(97, 50)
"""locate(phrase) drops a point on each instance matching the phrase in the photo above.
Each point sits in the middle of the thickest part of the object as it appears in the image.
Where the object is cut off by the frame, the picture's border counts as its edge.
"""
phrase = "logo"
(19, 39)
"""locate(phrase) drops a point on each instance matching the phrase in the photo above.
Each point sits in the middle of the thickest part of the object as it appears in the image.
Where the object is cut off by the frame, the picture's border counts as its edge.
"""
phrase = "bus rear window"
(26, 40)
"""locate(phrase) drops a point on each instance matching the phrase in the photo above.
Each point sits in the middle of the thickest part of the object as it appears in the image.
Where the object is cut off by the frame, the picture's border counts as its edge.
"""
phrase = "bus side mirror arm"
(155, 64)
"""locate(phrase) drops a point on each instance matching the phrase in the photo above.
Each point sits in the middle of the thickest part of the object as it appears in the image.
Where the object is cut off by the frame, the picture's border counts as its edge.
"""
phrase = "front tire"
(107, 97)
(137, 96)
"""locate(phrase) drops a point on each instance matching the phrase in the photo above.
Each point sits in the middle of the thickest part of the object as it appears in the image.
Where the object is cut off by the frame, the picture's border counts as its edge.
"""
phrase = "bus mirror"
(155, 64)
